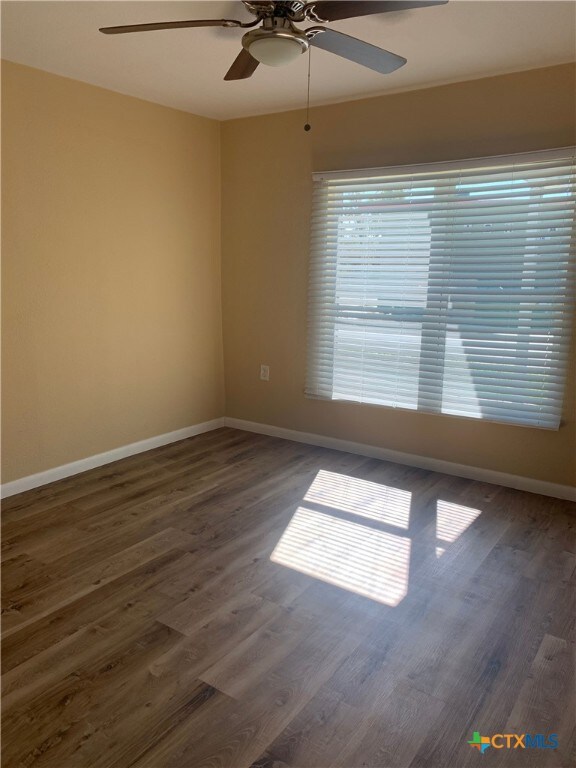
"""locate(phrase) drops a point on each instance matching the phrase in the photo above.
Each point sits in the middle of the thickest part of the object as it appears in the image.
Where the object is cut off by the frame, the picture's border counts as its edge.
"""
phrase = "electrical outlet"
(265, 373)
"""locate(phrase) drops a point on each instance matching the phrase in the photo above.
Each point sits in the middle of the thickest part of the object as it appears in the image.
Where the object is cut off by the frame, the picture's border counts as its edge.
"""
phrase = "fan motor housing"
(281, 8)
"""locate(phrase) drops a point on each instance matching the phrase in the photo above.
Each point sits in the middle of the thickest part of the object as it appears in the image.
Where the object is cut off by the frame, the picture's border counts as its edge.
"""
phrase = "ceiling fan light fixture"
(275, 50)
(276, 42)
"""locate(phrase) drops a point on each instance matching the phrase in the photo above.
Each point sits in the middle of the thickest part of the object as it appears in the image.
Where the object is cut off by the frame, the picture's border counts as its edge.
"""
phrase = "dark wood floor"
(237, 600)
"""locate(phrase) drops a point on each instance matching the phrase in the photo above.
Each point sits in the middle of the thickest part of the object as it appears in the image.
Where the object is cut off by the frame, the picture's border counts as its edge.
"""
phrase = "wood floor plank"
(238, 733)
(546, 702)
(49, 728)
(394, 736)
(56, 596)
(318, 735)
(139, 735)
(131, 593)
(72, 651)
(239, 671)
(237, 600)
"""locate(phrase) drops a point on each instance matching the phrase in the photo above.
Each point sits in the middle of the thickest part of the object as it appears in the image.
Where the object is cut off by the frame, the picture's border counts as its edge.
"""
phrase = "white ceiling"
(463, 40)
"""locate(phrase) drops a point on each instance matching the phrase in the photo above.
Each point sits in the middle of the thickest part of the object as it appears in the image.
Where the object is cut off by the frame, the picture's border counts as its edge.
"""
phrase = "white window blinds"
(445, 288)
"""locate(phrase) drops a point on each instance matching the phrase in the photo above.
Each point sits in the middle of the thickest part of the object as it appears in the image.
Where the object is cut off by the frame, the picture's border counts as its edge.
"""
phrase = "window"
(445, 288)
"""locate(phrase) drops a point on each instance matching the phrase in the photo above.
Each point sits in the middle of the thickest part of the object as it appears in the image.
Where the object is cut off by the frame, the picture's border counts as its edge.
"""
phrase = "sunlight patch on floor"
(440, 551)
(453, 519)
(350, 555)
(368, 558)
(361, 497)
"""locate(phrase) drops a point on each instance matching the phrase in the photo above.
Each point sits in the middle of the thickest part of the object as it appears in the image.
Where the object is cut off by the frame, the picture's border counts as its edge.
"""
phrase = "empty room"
(288, 384)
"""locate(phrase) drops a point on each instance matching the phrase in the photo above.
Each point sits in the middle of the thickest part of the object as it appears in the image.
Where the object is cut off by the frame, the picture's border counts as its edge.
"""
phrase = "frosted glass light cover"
(275, 51)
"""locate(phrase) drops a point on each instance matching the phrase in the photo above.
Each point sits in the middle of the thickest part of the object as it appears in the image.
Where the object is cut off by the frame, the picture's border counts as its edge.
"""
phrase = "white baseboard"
(423, 462)
(76, 467)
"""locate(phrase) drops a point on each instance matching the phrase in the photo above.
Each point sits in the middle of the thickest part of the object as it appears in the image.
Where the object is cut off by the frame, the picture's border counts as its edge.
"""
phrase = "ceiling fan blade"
(244, 66)
(355, 50)
(171, 25)
(333, 10)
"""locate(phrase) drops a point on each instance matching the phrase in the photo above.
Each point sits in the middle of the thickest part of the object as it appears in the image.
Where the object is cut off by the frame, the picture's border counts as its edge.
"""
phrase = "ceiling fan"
(278, 41)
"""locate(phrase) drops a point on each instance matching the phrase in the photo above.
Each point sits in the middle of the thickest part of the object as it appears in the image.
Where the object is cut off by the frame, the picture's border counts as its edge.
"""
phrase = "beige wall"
(111, 270)
(111, 263)
(267, 162)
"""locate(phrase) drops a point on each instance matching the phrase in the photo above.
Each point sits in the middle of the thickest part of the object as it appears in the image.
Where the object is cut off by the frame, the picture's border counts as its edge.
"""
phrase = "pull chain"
(308, 126)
